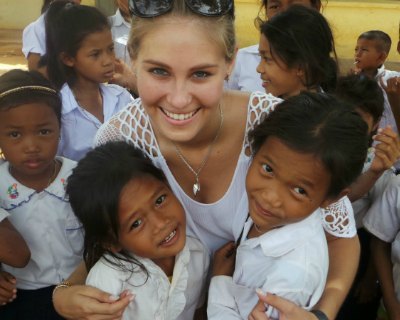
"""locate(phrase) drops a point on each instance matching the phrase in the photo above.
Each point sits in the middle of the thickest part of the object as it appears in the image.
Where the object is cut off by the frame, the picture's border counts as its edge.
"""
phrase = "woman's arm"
(13, 248)
(84, 302)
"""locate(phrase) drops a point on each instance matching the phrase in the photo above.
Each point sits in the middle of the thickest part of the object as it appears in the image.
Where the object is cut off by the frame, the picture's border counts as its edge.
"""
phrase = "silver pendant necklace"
(196, 184)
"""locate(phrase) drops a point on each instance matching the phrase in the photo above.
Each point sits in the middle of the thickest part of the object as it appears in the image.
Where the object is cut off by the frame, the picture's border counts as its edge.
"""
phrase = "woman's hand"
(88, 303)
(287, 310)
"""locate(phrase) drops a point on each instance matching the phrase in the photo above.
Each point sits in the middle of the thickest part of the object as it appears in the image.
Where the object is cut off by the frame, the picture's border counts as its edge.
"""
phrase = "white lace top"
(222, 221)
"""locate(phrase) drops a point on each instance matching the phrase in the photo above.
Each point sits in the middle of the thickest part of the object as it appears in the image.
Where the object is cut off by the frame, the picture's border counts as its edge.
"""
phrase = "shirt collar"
(280, 241)
(119, 19)
(16, 194)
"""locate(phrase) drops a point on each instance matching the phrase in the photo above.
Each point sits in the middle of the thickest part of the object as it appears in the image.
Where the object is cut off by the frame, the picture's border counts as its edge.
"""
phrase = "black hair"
(67, 25)
(18, 87)
(321, 125)
(94, 191)
(301, 37)
(382, 39)
(46, 5)
(363, 93)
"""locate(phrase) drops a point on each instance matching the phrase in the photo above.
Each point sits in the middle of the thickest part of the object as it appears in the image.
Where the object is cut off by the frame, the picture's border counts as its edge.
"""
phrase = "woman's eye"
(136, 224)
(201, 74)
(159, 72)
(160, 200)
(300, 191)
(267, 168)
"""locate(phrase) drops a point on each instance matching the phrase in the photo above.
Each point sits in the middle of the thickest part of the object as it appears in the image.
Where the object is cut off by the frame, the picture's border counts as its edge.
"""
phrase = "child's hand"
(392, 85)
(123, 75)
(224, 260)
(8, 290)
(387, 151)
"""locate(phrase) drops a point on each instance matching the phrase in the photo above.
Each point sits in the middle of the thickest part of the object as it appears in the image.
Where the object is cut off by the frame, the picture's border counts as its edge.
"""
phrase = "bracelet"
(63, 284)
(319, 314)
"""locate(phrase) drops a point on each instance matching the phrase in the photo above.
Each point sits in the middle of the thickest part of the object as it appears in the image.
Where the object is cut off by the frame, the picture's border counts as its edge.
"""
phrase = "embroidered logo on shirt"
(12, 191)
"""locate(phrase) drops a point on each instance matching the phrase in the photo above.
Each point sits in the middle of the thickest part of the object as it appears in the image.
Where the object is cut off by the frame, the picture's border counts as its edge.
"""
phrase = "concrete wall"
(16, 14)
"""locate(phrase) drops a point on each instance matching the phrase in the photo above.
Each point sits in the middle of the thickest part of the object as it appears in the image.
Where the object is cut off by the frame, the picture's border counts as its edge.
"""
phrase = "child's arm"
(85, 302)
(387, 152)
(381, 252)
(13, 248)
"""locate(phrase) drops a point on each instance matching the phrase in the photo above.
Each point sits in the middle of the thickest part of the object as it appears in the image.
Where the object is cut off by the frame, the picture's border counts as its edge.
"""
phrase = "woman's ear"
(67, 59)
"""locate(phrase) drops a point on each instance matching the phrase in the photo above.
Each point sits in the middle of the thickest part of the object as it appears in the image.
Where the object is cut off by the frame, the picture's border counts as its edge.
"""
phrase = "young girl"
(296, 170)
(296, 48)
(244, 77)
(80, 53)
(34, 39)
(33, 193)
(135, 234)
(197, 134)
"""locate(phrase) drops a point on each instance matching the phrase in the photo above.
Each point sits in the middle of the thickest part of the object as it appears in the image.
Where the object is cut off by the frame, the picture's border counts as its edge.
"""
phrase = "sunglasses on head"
(154, 8)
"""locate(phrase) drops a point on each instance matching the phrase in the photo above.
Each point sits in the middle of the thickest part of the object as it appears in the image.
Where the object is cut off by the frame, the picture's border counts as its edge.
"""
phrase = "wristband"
(63, 284)
(319, 314)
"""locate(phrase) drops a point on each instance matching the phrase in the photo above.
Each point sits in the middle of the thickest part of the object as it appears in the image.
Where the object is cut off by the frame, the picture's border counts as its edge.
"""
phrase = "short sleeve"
(383, 218)
(3, 214)
(338, 219)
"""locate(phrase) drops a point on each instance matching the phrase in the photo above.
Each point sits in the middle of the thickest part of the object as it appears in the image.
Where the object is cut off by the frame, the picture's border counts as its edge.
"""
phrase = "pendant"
(196, 187)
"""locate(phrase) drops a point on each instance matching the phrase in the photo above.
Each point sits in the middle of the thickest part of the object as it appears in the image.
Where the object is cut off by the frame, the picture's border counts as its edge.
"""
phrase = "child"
(34, 39)
(80, 59)
(33, 192)
(366, 97)
(382, 220)
(135, 234)
(371, 51)
(244, 76)
(305, 156)
(120, 27)
(296, 48)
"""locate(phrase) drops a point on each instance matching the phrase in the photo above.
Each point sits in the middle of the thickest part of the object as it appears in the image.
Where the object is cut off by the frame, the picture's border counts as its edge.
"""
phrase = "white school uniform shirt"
(3, 214)
(214, 224)
(291, 261)
(383, 221)
(245, 76)
(78, 126)
(120, 33)
(157, 298)
(387, 117)
(34, 37)
(50, 228)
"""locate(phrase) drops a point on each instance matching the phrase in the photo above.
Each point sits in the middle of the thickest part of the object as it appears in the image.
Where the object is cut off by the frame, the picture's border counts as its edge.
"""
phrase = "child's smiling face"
(152, 220)
(284, 186)
(29, 136)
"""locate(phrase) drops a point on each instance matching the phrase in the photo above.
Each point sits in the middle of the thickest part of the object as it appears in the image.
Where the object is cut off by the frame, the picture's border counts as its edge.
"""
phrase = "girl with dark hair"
(33, 192)
(80, 59)
(135, 234)
(297, 53)
(244, 77)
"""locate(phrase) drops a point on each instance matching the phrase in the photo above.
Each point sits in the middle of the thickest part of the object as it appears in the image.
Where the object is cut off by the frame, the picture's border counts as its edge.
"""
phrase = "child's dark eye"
(136, 224)
(267, 168)
(300, 191)
(14, 134)
(44, 132)
(160, 200)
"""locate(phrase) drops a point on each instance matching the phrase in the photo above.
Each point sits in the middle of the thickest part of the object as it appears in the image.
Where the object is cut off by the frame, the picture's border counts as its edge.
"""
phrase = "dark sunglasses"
(154, 8)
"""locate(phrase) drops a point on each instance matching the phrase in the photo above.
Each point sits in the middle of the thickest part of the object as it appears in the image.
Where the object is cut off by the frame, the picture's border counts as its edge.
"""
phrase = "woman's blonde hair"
(220, 29)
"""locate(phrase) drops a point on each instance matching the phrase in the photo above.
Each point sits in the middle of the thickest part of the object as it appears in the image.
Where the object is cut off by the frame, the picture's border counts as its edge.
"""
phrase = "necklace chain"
(196, 185)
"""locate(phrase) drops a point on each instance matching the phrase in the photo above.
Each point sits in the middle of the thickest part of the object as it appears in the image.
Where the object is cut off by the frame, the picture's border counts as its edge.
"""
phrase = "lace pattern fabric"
(133, 125)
